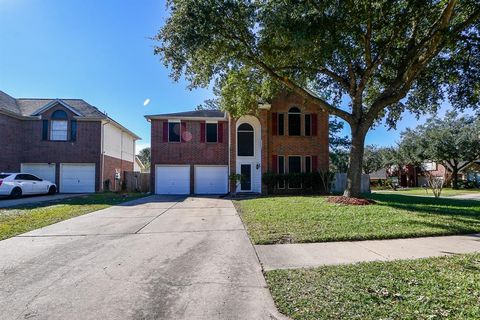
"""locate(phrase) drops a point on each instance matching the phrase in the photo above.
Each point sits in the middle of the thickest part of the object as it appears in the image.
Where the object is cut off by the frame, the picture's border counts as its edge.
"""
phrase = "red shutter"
(274, 163)
(202, 132)
(314, 163)
(220, 132)
(165, 131)
(314, 124)
(274, 123)
(183, 130)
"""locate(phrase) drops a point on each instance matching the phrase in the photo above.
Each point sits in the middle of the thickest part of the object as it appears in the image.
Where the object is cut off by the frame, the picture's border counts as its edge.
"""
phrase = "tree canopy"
(358, 60)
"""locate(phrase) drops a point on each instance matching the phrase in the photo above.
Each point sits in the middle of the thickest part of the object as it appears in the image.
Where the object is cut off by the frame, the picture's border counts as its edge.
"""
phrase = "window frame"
(308, 167)
(175, 122)
(253, 133)
(207, 123)
(52, 130)
(296, 114)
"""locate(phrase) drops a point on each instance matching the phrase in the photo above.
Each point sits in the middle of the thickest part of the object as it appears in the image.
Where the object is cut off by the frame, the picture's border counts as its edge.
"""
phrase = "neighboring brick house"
(67, 141)
(196, 151)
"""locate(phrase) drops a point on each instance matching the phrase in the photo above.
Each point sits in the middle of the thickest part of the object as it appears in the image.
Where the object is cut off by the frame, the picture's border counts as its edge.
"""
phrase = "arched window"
(245, 140)
(294, 121)
(59, 126)
(59, 115)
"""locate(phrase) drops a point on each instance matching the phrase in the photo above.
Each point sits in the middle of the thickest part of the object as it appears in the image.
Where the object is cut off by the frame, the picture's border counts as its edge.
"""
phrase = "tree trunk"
(354, 172)
(455, 178)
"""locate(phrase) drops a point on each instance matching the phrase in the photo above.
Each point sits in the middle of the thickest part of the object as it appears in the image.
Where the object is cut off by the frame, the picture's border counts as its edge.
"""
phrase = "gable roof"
(31, 108)
(196, 114)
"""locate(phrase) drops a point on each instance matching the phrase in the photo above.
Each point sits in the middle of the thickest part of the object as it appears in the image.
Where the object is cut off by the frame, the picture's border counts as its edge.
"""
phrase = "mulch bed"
(350, 201)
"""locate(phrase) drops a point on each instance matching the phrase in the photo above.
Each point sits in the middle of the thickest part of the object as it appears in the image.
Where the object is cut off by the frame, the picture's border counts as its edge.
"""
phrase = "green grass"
(447, 192)
(20, 219)
(433, 288)
(310, 219)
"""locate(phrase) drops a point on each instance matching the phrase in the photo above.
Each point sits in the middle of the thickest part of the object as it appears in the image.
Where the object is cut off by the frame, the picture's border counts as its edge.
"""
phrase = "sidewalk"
(307, 255)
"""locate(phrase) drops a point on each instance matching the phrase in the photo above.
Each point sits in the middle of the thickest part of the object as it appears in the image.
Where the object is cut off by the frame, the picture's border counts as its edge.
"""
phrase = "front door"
(246, 182)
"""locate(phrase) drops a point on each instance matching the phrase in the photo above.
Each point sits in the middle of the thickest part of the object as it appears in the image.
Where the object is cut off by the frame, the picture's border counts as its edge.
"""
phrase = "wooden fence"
(137, 181)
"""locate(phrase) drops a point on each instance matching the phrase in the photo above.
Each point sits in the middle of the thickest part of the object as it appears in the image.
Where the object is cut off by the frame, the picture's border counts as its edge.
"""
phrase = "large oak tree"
(361, 61)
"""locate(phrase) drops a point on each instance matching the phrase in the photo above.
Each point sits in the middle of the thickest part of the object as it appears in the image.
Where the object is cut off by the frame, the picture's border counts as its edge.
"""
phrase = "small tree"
(435, 183)
(145, 156)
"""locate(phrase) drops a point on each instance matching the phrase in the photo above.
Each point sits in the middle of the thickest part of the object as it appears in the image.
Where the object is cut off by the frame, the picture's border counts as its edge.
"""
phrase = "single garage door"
(46, 171)
(211, 179)
(77, 177)
(172, 179)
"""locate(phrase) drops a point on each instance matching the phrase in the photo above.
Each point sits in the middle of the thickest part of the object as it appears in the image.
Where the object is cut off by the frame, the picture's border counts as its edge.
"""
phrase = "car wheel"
(16, 193)
(52, 190)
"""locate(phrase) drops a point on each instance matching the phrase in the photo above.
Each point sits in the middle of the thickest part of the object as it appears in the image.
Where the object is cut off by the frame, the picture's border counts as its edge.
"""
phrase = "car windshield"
(4, 175)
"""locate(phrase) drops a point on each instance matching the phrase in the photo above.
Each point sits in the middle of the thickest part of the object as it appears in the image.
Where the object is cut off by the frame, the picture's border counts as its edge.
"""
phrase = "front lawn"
(17, 220)
(434, 288)
(447, 192)
(310, 219)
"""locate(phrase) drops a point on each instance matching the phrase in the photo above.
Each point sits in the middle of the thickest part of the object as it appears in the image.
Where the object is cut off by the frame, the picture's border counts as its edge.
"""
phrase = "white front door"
(172, 179)
(211, 179)
(44, 171)
(77, 178)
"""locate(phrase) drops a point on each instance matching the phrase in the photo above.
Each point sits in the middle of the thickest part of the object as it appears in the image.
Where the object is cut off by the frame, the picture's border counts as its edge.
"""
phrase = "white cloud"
(147, 101)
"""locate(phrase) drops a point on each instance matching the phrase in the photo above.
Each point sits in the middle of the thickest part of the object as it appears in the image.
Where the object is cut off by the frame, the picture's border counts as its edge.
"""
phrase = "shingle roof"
(8, 103)
(26, 107)
(192, 114)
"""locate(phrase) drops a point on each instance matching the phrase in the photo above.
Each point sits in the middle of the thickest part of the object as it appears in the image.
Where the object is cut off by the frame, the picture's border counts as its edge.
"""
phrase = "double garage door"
(74, 177)
(175, 179)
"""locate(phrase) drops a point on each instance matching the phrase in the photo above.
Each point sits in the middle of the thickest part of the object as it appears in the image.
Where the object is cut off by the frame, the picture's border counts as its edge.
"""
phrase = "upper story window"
(59, 126)
(174, 131)
(212, 132)
(294, 122)
(245, 143)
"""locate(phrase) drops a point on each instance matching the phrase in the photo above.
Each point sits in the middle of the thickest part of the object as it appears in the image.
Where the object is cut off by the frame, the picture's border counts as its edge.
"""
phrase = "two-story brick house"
(66, 141)
(196, 151)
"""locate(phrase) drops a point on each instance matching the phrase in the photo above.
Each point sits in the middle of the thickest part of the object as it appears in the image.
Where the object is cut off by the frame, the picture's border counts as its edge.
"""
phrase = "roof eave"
(160, 117)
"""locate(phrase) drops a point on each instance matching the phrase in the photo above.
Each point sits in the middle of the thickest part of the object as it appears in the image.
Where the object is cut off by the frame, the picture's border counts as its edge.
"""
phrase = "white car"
(17, 184)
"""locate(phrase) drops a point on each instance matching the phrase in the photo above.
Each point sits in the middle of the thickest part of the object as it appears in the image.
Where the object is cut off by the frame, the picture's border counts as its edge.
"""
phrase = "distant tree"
(385, 57)
(145, 156)
(373, 159)
(453, 141)
(339, 145)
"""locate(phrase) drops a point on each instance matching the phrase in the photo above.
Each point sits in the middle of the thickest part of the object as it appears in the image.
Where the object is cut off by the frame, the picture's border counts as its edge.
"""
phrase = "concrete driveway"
(154, 258)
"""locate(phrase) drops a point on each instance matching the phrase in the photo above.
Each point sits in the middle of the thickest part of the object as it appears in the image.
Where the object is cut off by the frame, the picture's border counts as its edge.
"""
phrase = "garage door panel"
(77, 178)
(42, 170)
(211, 179)
(172, 179)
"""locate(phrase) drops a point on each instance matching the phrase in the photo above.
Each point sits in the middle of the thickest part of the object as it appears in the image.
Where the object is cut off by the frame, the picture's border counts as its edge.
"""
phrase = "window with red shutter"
(220, 132)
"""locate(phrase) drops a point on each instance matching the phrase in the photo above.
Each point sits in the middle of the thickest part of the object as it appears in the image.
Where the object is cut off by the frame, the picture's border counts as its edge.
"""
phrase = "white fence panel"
(340, 183)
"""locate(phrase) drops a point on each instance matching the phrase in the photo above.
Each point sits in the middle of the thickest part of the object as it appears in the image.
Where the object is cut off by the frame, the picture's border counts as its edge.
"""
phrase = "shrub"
(308, 182)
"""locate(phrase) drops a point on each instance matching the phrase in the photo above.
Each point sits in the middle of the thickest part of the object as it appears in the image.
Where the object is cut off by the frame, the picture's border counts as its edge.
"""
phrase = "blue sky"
(100, 51)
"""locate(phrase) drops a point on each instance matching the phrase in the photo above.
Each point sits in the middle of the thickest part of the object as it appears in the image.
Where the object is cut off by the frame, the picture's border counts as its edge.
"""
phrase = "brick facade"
(193, 151)
(190, 151)
(11, 139)
(26, 145)
(111, 165)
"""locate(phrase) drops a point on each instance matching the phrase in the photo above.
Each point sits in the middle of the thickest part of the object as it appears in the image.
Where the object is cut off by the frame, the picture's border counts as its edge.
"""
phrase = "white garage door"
(172, 179)
(211, 179)
(77, 178)
(42, 170)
